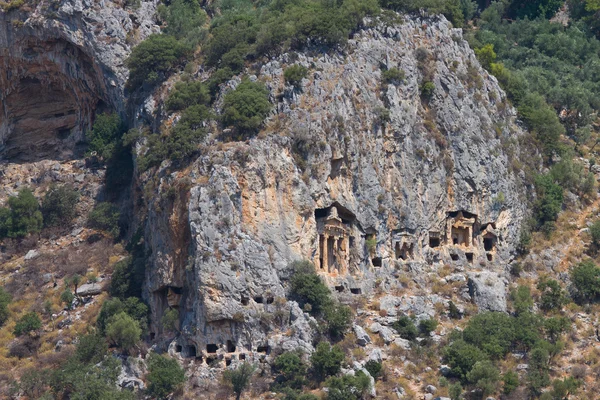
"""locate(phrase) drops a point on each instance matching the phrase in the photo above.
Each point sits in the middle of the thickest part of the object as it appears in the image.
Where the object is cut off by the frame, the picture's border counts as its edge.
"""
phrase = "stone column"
(325, 256)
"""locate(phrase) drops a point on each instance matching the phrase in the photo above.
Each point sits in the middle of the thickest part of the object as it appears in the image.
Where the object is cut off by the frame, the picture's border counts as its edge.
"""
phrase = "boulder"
(488, 291)
(362, 338)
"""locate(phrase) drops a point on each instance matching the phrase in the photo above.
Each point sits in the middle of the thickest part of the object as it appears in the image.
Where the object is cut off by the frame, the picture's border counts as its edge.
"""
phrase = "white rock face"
(416, 184)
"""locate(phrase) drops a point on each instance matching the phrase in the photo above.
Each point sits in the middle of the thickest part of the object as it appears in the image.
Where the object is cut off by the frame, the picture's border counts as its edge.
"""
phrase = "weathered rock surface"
(61, 64)
(488, 291)
(368, 180)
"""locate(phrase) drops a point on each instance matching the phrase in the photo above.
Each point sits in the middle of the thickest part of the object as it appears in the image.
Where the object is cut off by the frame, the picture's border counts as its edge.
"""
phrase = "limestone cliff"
(62, 62)
(371, 181)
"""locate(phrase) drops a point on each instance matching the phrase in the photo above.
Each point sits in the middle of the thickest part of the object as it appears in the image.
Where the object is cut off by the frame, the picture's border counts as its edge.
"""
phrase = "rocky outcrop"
(369, 180)
(63, 62)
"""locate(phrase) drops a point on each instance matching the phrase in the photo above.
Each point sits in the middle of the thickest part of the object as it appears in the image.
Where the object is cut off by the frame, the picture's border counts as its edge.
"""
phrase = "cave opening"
(52, 91)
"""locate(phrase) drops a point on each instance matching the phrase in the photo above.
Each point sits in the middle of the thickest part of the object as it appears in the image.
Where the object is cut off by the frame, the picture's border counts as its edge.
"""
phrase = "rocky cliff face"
(371, 181)
(63, 62)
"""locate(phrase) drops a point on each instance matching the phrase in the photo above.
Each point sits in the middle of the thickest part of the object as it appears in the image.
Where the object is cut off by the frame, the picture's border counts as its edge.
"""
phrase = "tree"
(537, 373)
(549, 202)
(27, 323)
(153, 60)
(105, 134)
(5, 299)
(24, 217)
(462, 356)
(484, 376)
(246, 107)
(492, 332)
(239, 378)
(348, 387)
(123, 331)
(555, 327)
(406, 328)
(586, 281)
(105, 217)
(164, 377)
(67, 298)
(426, 326)
(326, 360)
(91, 349)
(307, 288)
(58, 205)
(290, 370)
(552, 297)
(511, 382)
(522, 300)
(595, 233)
(338, 318)
(294, 74)
(132, 306)
(374, 368)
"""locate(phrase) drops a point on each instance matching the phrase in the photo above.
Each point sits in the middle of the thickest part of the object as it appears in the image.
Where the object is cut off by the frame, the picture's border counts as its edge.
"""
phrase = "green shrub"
(170, 319)
(595, 233)
(105, 217)
(27, 323)
(185, 21)
(290, 370)
(522, 300)
(493, 332)
(374, 368)
(454, 10)
(105, 135)
(393, 75)
(537, 371)
(552, 297)
(239, 378)
(123, 331)
(427, 89)
(511, 382)
(326, 360)
(5, 299)
(153, 60)
(453, 311)
(127, 278)
(58, 205)
(67, 298)
(246, 107)
(406, 328)
(165, 375)
(461, 357)
(338, 319)
(555, 327)
(307, 288)
(427, 326)
(22, 217)
(348, 387)
(586, 282)
(91, 349)
(549, 202)
(294, 74)
(484, 377)
(188, 94)
(132, 306)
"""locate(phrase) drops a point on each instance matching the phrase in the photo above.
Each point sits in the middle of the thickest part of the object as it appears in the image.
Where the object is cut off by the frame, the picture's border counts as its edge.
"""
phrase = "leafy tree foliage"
(188, 94)
(246, 107)
(132, 306)
(105, 135)
(522, 300)
(153, 60)
(185, 20)
(586, 281)
(326, 360)
(294, 74)
(164, 377)
(552, 297)
(549, 202)
(462, 356)
(290, 370)
(58, 205)
(22, 217)
(493, 332)
(457, 11)
(307, 288)
(123, 331)
(406, 328)
(27, 323)
(67, 298)
(127, 278)
(348, 387)
(239, 378)
(5, 299)
(484, 376)
(105, 216)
